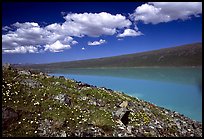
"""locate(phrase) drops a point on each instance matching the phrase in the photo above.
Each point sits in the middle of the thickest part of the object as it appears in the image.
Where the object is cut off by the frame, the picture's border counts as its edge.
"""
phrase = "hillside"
(186, 55)
(37, 105)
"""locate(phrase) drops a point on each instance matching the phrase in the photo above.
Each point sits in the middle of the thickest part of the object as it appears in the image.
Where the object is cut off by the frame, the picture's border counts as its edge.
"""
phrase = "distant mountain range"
(185, 55)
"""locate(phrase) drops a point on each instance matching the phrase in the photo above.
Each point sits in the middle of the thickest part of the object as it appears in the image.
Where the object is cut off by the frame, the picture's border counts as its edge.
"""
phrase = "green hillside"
(185, 55)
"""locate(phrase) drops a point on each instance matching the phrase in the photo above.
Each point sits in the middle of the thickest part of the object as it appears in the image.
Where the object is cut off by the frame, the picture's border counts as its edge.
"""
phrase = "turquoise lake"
(177, 89)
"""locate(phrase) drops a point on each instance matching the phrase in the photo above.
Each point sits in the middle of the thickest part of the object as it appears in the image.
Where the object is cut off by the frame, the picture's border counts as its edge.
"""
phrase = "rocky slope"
(35, 104)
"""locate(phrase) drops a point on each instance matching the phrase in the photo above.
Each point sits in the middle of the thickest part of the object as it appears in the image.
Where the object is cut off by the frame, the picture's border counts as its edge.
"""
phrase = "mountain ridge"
(184, 55)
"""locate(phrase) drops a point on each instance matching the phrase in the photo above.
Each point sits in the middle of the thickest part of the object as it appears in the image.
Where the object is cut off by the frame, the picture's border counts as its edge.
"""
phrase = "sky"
(46, 32)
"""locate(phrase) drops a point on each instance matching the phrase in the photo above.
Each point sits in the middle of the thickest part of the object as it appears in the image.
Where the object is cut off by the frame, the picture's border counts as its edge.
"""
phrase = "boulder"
(23, 72)
(122, 114)
(124, 104)
(9, 116)
(31, 83)
(63, 98)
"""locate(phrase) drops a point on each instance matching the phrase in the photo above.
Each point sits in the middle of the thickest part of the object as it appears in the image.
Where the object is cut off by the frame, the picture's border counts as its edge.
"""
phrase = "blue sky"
(44, 32)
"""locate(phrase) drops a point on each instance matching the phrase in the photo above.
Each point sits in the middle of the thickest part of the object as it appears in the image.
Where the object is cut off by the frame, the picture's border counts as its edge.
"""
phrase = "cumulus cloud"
(157, 12)
(22, 49)
(90, 24)
(101, 41)
(57, 37)
(129, 32)
(94, 24)
(29, 37)
(83, 48)
(74, 42)
(56, 47)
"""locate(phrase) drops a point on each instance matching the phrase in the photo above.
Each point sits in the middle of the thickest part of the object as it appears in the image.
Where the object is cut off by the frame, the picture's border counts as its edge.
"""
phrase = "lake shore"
(35, 104)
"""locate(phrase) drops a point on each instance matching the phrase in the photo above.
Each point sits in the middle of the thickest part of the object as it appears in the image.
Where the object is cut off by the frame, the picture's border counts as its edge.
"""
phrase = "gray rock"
(63, 98)
(122, 114)
(23, 72)
(31, 83)
(63, 134)
(8, 116)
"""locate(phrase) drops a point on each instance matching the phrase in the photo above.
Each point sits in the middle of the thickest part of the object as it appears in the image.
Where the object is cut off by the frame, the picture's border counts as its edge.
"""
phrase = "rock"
(124, 104)
(7, 66)
(61, 77)
(23, 72)
(63, 98)
(122, 114)
(9, 116)
(129, 129)
(178, 125)
(31, 83)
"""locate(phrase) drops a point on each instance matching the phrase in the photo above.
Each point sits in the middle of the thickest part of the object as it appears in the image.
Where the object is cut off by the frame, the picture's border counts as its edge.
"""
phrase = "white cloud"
(6, 28)
(97, 42)
(56, 47)
(129, 32)
(83, 48)
(22, 49)
(94, 24)
(31, 34)
(59, 36)
(157, 12)
(74, 42)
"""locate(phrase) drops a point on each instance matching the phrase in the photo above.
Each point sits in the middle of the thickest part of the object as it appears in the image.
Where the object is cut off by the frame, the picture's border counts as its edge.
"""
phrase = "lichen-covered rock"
(63, 98)
(122, 114)
(31, 83)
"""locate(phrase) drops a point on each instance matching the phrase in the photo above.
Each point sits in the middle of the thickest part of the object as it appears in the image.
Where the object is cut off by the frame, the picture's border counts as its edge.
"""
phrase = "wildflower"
(37, 103)
(31, 122)
(19, 123)
(35, 132)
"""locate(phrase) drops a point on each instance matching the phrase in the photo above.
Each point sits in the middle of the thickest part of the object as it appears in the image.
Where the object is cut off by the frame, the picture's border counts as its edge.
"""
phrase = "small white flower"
(41, 99)
(24, 119)
(35, 132)
(19, 123)
(38, 114)
(37, 103)
(31, 122)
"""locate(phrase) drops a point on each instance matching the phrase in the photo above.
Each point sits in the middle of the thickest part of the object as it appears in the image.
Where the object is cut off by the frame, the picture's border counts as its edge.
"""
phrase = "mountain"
(185, 55)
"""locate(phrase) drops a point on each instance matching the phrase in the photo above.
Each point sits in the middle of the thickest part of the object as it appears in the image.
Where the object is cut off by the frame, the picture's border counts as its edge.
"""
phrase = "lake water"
(178, 89)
